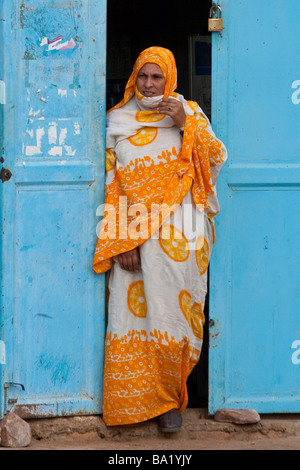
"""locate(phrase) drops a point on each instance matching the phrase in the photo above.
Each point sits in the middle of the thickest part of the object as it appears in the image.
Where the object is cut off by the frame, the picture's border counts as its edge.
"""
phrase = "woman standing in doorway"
(162, 162)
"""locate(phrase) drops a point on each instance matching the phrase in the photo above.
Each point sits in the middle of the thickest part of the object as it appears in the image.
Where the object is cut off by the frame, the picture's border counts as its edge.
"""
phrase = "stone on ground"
(15, 432)
(240, 416)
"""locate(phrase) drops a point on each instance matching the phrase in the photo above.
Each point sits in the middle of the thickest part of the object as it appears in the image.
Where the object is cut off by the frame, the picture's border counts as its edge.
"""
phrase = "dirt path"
(199, 432)
(93, 442)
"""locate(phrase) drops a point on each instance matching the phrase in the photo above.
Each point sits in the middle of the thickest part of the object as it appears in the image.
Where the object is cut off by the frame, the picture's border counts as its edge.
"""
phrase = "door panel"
(254, 281)
(53, 127)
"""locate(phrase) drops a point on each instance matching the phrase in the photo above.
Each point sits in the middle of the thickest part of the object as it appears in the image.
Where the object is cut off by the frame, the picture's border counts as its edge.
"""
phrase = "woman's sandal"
(170, 421)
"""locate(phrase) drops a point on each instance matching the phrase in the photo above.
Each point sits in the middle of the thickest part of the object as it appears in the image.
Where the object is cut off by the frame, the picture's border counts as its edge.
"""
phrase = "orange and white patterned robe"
(155, 325)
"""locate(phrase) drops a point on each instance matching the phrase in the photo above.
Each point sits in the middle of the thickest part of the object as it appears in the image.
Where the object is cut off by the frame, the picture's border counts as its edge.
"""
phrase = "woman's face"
(150, 80)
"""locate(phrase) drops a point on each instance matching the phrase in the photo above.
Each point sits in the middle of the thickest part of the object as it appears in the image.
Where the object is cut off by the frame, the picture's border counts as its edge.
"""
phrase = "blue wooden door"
(255, 267)
(53, 112)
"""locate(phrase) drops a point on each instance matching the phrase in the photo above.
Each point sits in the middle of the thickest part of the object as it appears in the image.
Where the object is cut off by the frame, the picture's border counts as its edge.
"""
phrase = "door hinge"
(10, 401)
(8, 384)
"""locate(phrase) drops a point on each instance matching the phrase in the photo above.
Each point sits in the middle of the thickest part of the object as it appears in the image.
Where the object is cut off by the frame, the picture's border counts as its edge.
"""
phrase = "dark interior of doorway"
(132, 26)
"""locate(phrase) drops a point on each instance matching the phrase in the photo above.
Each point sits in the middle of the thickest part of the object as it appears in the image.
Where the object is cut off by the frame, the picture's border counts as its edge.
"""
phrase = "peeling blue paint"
(52, 305)
(58, 369)
(254, 276)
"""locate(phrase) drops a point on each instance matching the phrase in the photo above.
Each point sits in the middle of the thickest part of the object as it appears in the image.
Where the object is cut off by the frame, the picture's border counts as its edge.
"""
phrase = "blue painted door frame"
(255, 267)
(52, 99)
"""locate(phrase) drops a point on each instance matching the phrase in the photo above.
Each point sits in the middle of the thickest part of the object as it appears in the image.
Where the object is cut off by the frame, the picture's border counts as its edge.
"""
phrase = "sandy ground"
(198, 433)
(171, 444)
(292, 443)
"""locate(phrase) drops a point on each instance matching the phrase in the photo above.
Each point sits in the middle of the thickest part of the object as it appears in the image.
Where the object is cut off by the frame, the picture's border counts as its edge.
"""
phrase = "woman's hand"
(174, 109)
(130, 260)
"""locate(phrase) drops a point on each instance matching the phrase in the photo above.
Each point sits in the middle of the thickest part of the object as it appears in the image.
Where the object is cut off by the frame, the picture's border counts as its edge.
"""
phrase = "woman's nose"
(148, 82)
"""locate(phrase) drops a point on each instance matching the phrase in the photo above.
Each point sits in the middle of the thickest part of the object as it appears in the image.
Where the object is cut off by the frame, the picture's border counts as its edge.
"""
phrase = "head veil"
(154, 55)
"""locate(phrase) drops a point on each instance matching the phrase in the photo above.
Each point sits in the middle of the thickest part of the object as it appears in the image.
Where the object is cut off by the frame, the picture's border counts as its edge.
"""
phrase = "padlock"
(215, 24)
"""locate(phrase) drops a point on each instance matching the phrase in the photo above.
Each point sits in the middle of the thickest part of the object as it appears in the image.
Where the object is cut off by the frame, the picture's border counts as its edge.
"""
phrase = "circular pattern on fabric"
(193, 313)
(202, 254)
(136, 299)
(110, 160)
(197, 320)
(185, 304)
(144, 136)
(174, 243)
(148, 116)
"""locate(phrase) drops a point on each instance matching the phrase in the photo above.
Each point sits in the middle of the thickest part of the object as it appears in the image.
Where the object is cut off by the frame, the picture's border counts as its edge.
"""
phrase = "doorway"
(134, 25)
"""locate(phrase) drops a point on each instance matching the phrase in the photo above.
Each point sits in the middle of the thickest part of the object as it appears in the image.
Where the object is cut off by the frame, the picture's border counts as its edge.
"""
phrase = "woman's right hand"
(130, 260)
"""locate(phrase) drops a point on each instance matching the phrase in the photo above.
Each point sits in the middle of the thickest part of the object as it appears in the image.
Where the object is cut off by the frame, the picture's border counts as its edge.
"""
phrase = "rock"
(15, 432)
(241, 416)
